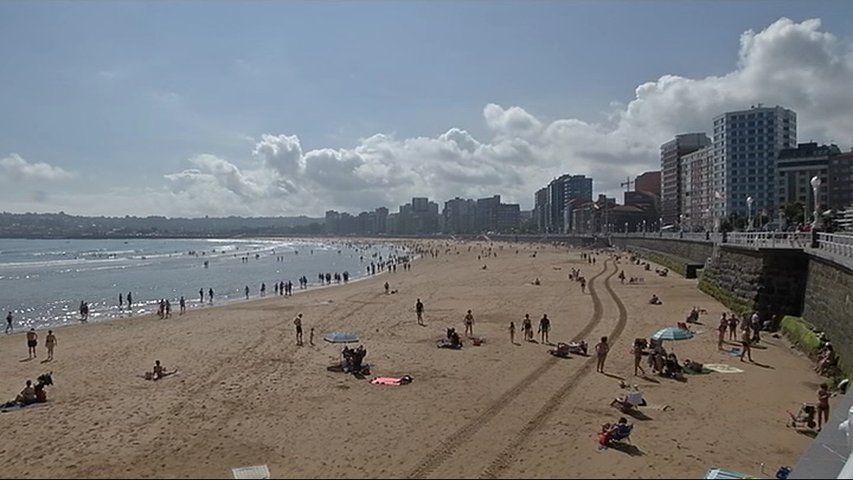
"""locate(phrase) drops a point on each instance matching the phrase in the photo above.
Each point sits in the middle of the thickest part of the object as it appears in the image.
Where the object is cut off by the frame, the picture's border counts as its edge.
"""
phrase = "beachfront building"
(746, 149)
(697, 191)
(840, 181)
(554, 203)
(795, 167)
(483, 215)
(418, 217)
(671, 154)
(459, 216)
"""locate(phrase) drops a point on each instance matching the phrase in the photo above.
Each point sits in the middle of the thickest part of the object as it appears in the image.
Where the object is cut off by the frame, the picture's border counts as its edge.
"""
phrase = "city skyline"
(194, 125)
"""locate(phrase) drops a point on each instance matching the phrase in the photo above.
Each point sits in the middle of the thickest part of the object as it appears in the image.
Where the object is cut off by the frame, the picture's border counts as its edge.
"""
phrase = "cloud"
(792, 64)
(17, 168)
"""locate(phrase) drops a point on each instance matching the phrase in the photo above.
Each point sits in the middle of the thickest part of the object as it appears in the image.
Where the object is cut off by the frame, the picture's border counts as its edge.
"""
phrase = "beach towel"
(722, 368)
(404, 380)
(256, 471)
(15, 408)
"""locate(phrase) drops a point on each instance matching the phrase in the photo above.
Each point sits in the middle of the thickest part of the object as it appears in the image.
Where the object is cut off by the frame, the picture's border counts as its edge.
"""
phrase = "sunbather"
(158, 372)
(655, 300)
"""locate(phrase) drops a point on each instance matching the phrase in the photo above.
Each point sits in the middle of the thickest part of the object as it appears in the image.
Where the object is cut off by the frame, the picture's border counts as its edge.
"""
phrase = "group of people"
(750, 328)
(32, 343)
(544, 329)
(32, 393)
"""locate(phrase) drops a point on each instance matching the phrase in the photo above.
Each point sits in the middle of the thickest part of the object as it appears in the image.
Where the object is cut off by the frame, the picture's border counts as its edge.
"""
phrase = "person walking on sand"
(50, 343)
(724, 323)
(183, 304)
(527, 326)
(469, 323)
(512, 333)
(311, 337)
(637, 350)
(9, 328)
(745, 339)
(419, 310)
(544, 328)
(32, 342)
(733, 321)
(298, 323)
(583, 285)
(822, 405)
(601, 351)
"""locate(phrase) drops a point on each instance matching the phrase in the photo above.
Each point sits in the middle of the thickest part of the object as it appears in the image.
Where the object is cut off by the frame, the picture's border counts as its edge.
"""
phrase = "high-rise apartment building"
(697, 190)
(554, 202)
(746, 148)
(670, 163)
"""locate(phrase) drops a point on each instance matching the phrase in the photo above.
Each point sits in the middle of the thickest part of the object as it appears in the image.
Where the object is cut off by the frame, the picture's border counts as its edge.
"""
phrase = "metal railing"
(836, 244)
(770, 239)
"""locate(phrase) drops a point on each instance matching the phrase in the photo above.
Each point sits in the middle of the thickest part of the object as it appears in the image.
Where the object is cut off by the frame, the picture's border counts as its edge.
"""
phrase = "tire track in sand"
(449, 445)
(505, 458)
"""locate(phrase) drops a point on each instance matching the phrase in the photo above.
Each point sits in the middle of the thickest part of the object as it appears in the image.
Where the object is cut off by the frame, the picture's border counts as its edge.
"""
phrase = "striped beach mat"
(253, 472)
(723, 474)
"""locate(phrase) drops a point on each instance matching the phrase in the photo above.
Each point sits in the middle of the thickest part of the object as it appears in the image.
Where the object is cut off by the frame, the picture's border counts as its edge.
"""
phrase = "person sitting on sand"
(536, 282)
(671, 367)
(616, 431)
(27, 395)
(655, 300)
(158, 372)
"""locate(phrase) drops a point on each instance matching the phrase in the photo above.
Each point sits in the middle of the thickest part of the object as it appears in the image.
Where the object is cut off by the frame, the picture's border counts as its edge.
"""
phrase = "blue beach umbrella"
(340, 337)
(673, 333)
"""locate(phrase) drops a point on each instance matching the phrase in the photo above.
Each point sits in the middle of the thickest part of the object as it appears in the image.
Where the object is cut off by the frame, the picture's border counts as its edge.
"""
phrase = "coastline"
(246, 395)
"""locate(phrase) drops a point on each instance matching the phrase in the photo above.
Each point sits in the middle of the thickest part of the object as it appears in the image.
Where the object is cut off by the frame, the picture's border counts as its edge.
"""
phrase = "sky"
(193, 108)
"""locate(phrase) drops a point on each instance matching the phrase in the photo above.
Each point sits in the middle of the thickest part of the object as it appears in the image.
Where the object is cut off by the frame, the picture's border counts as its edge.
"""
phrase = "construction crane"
(627, 184)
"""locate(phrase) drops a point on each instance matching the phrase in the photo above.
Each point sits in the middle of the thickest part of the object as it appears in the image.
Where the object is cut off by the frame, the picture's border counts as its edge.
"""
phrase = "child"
(311, 337)
(512, 332)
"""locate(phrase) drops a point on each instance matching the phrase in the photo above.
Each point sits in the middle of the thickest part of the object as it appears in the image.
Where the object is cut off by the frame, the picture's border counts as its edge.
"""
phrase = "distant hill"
(61, 225)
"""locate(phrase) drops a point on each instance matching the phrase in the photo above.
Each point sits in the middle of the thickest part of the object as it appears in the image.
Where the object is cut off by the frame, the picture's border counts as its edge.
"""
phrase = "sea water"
(42, 282)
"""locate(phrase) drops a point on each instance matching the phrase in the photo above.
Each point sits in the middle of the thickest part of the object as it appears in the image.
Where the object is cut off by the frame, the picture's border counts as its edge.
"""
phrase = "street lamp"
(749, 201)
(815, 188)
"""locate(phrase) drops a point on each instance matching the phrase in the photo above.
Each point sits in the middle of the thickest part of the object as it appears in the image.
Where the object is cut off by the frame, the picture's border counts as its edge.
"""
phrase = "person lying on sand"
(158, 372)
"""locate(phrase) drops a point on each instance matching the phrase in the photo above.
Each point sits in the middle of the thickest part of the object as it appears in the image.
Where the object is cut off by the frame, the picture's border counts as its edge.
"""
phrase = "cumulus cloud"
(16, 168)
(795, 65)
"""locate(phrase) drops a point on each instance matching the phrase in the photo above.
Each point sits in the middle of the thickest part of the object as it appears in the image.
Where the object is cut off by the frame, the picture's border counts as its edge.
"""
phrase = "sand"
(247, 395)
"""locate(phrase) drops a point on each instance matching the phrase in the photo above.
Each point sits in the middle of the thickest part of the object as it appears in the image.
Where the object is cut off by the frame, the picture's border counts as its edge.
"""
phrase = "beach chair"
(623, 434)
(253, 472)
(630, 401)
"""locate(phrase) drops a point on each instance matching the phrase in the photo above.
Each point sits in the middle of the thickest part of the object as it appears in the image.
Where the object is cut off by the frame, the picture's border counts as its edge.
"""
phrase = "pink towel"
(385, 381)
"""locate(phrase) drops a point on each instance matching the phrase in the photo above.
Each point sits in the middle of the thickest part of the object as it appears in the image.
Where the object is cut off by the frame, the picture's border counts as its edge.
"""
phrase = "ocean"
(42, 282)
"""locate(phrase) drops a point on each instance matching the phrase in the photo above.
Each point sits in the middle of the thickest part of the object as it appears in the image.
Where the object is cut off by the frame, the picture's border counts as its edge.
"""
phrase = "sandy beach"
(247, 395)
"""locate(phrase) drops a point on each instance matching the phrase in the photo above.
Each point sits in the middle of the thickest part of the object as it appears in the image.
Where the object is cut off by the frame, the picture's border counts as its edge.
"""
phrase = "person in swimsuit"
(32, 341)
(512, 332)
(9, 323)
(746, 339)
(469, 323)
(544, 328)
(822, 405)
(527, 326)
(298, 323)
(601, 351)
(50, 342)
(419, 310)
(724, 323)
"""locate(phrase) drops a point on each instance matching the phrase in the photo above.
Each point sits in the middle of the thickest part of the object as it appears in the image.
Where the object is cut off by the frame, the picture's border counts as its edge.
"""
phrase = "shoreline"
(104, 311)
(247, 396)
